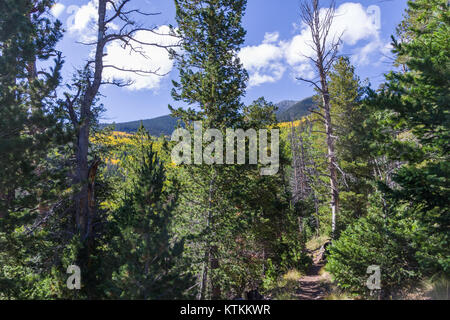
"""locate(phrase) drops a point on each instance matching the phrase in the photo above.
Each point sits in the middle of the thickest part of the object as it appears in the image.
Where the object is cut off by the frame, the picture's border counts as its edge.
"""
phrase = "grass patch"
(339, 296)
(289, 280)
(286, 285)
(292, 275)
(316, 242)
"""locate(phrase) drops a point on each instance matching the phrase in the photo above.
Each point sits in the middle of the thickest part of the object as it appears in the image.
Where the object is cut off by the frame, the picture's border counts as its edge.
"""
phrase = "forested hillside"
(296, 111)
(164, 125)
(355, 204)
(287, 110)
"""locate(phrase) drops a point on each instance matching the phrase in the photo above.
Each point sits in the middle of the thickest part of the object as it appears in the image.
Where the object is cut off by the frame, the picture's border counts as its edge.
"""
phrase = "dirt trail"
(313, 286)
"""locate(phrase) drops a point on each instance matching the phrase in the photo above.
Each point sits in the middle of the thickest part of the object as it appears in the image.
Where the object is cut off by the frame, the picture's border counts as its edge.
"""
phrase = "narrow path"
(313, 286)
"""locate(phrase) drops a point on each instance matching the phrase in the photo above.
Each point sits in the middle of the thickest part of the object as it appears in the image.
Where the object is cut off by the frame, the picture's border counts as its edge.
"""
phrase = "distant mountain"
(164, 125)
(288, 110)
(296, 111)
(284, 105)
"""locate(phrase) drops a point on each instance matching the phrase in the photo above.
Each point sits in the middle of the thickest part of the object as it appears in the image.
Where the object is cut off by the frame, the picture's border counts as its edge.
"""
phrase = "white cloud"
(362, 55)
(268, 61)
(298, 48)
(263, 62)
(304, 70)
(57, 9)
(355, 23)
(153, 59)
(254, 57)
(83, 20)
(269, 75)
(271, 37)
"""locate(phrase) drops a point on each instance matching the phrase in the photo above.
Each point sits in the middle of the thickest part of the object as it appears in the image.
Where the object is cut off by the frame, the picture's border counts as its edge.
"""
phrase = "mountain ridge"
(288, 110)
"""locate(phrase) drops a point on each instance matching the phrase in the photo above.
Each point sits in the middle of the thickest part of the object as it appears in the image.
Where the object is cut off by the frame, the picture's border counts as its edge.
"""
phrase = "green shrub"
(374, 240)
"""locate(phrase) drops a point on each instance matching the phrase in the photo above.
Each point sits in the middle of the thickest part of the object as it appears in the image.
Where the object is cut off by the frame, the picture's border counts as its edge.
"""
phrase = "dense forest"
(362, 181)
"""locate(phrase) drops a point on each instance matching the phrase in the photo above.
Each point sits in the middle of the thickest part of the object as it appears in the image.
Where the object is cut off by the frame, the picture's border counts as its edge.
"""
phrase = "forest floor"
(315, 285)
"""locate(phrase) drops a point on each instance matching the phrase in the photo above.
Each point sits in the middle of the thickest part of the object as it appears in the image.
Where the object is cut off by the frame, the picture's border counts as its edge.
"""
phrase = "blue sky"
(272, 54)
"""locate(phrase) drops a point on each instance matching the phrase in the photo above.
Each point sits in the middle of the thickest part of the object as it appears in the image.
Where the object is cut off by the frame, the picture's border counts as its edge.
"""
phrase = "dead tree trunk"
(326, 51)
(295, 183)
(84, 211)
(300, 182)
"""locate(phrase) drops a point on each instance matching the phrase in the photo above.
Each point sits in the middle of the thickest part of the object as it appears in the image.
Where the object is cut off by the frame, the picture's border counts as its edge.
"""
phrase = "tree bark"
(211, 252)
(85, 211)
(331, 157)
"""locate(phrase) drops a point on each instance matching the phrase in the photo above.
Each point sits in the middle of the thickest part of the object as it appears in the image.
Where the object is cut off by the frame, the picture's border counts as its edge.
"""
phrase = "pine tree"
(32, 178)
(348, 114)
(148, 265)
(420, 100)
(29, 122)
(213, 80)
(407, 225)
